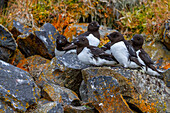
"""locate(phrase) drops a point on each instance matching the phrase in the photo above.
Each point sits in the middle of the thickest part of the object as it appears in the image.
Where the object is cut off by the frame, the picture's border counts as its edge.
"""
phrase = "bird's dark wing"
(106, 46)
(98, 52)
(130, 48)
(145, 57)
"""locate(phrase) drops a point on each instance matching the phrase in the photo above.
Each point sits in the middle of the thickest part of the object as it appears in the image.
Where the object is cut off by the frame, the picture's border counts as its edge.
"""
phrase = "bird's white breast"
(93, 40)
(59, 53)
(120, 52)
(85, 55)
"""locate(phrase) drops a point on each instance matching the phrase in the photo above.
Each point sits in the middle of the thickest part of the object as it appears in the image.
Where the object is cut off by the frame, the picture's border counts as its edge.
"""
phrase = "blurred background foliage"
(128, 16)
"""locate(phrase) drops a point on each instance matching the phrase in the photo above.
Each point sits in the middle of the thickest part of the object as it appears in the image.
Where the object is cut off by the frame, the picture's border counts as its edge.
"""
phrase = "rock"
(31, 45)
(51, 31)
(167, 78)
(134, 86)
(158, 53)
(7, 44)
(16, 57)
(17, 87)
(63, 95)
(43, 36)
(103, 92)
(166, 34)
(4, 108)
(79, 109)
(19, 29)
(34, 65)
(45, 106)
(65, 71)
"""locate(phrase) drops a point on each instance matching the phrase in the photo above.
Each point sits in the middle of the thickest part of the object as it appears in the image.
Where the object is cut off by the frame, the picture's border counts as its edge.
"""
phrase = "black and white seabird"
(92, 33)
(137, 43)
(123, 51)
(61, 42)
(92, 55)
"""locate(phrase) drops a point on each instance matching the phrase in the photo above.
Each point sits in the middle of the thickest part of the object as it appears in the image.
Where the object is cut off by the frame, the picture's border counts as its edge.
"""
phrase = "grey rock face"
(17, 88)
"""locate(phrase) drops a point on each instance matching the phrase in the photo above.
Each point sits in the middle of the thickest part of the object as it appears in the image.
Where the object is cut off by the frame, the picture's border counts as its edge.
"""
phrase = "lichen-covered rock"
(135, 87)
(166, 34)
(4, 108)
(17, 88)
(16, 28)
(167, 78)
(65, 71)
(7, 44)
(79, 109)
(63, 95)
(45, 106)
(103, 92)
(30, 45)
(51, 31)
(16, 57)
(34, 65)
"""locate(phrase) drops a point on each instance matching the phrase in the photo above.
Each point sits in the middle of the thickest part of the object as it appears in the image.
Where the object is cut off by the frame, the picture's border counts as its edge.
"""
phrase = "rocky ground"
(34, 80)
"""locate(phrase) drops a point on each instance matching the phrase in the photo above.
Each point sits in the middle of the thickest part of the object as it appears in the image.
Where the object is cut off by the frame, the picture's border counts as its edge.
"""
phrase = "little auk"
(123, 51)
(137, 43)
(90, 54)
(92, 34)
(61, 41)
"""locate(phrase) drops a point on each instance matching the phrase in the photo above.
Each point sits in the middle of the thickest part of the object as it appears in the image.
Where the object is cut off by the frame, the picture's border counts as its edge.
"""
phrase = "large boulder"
(16, 28)
(135, 87)
(45, 106)
(7, 44)
(65, 71)
(102, 89)
(18, 89)
(16, 57)
(34, 65)
(63, 95)
(4, 108)
(30, 44)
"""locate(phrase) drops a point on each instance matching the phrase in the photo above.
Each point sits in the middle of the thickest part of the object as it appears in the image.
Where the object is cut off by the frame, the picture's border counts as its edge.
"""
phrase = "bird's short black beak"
(69, 47)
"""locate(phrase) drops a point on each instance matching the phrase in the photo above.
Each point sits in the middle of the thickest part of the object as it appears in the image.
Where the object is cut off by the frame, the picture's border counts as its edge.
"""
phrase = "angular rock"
(167, 78)
(166, 34)
(31, 45)
(16, 57)
(79, 109)
(51, 31)
(4, 108)
(65, 71)
(17, 88)
(63, 95)
(135, 87)
(18, 29)
(104, 94)
(7, 44)
(43, 36)
(34, 65)
(45, 106)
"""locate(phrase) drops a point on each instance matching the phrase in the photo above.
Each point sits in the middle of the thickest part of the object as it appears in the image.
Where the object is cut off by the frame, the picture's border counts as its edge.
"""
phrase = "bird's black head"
(137, 40)
(115, 37)
(93, 26)
(61, 40)
(81, 41)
